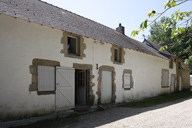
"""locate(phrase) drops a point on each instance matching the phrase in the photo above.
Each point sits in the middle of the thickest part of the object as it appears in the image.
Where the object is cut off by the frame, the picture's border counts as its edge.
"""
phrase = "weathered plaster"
(34, 71)
(130, 72)
(89, 67)
(106, 68)
(81, 46)
(121, 55)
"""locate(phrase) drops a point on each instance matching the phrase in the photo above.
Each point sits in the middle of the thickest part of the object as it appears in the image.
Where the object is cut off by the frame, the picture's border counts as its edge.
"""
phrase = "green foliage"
(180, 44)
(151, 13)
(158, 32)
(134, 33)
(189, 62)
(183, 18)
(183, 46)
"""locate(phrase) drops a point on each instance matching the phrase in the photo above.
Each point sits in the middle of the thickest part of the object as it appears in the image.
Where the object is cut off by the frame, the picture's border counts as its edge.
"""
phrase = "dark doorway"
(81, 87)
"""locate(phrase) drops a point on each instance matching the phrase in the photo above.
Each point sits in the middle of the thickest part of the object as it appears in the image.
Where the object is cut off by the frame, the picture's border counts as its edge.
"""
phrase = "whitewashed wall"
(22, 41)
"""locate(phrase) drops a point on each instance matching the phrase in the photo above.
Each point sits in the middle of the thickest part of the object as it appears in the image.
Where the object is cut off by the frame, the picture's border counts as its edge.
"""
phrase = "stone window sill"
(165, 86)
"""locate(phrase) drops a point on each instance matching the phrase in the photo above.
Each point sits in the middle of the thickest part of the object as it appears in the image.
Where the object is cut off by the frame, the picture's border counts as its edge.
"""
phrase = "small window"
(165, 78)
(127, 80)
(117, 55)
(72, 45)
(171, 63)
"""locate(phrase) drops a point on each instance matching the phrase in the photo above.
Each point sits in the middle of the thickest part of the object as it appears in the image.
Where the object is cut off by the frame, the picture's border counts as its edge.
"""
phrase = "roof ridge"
(77, 15)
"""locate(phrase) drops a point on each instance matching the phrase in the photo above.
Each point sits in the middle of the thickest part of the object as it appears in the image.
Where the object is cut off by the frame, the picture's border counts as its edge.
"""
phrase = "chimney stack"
(121, 29)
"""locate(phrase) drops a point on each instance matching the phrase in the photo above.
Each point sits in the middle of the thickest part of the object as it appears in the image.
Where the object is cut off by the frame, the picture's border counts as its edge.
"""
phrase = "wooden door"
(81, 87)
(180, 83)
(106, 87)
(65, 88)
(172, 83)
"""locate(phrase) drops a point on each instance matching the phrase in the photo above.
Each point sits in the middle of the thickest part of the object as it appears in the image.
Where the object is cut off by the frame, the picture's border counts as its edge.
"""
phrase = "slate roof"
(46, 14)
(158, 46)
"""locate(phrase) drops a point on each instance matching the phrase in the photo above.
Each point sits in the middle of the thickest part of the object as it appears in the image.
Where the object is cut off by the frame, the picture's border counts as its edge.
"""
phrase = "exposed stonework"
(81, 46)
(121, 55)
(185, 76)
(106, 68)
(34, 71)
(130, 72)
(91, 96)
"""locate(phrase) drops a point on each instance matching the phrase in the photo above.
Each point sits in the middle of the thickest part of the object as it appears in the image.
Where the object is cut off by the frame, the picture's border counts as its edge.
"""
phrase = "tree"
(180, 45)
(157, 33)
(189, 62)
(183, 48)
(184, 19)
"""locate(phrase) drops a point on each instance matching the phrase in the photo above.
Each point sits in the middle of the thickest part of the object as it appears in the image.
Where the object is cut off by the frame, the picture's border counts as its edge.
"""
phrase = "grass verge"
(158, 100)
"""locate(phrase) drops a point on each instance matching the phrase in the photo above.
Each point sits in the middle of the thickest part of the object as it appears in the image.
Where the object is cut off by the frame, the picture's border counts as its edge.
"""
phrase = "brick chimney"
(121, 29)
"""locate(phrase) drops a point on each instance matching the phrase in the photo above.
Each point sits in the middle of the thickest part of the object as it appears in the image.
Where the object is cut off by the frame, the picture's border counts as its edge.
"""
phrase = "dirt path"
(169, 115)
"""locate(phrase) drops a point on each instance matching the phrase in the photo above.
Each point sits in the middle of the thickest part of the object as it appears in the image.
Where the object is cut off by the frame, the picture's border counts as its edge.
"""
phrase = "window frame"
(127, 71)
(76, 44)
(162, 78)
(118, 55)
(121, 55)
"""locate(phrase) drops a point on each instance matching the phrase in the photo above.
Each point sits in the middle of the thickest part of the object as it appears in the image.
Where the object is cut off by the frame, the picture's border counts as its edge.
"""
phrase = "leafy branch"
(175, 17)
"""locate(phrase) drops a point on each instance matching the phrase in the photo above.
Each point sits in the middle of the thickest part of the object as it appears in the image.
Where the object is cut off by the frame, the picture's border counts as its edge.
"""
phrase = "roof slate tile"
(46, 14)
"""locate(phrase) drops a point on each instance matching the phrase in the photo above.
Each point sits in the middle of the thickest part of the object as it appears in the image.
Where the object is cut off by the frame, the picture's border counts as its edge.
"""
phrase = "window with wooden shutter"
(165, 78)
(127, 80)
(46, 78)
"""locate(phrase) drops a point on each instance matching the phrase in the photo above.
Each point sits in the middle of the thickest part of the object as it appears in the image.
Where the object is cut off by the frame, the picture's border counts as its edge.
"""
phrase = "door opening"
(81, 87)
(172, 83)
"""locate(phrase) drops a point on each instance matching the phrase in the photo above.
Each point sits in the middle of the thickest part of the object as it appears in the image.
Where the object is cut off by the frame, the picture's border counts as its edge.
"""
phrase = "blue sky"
(130, 13)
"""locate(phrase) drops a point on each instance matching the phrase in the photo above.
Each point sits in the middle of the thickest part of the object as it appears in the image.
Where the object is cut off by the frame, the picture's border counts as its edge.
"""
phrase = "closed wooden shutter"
(46, 78)
(165, 77)
(127, 80)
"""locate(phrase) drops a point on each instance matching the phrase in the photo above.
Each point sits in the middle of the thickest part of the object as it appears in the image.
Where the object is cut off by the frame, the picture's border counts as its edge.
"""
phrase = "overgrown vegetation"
(159, 100)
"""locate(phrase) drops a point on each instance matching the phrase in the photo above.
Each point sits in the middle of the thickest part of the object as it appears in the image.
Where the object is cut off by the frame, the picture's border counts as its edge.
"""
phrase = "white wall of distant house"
(22, 41)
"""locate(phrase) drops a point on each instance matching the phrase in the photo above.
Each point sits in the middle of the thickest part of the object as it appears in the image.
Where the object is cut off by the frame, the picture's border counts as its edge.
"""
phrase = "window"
(165, 78)
(116, 55)
(72, 45)
(171, 63)
(46, 78)
(127, 80)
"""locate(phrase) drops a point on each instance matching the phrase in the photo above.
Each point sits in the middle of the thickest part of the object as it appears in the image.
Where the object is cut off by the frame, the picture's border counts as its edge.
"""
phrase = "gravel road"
(168, 115)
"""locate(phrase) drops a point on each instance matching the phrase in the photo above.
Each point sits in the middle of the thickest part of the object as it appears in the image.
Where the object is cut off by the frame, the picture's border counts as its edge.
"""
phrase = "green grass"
(159, 100)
